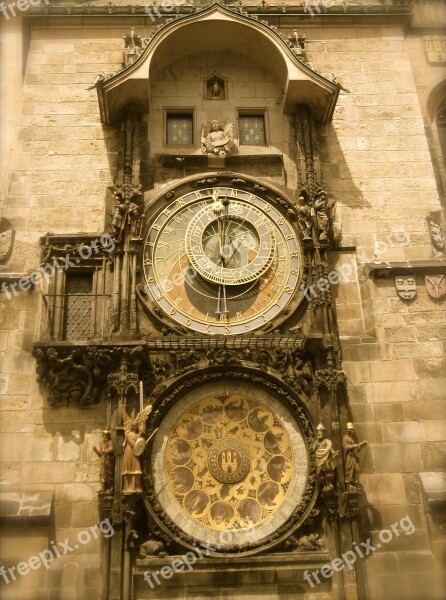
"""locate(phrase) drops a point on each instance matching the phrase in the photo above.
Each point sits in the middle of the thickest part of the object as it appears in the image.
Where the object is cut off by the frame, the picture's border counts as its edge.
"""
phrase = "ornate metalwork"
(78, 306)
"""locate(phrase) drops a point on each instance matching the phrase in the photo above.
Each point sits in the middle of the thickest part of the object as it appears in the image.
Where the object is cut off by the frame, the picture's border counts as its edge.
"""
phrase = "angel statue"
(134, 445)
(218, 141)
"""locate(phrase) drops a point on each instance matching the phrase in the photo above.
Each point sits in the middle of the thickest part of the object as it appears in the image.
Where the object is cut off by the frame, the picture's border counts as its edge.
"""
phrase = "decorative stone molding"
(331, 379)
(76, 374)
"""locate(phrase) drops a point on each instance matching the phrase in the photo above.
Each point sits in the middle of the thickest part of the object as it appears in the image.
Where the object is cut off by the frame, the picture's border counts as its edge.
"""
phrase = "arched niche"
(218, 29)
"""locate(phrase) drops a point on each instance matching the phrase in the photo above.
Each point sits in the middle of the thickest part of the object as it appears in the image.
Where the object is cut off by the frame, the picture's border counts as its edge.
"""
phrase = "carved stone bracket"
(71, 250)
(105, 505)
(349, 505)
(331, 379)
(75, 374)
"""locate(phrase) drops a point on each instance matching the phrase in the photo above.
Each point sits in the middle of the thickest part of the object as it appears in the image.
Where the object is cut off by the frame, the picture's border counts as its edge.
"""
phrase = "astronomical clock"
(221, 260)
(221, 265)
(193, 324)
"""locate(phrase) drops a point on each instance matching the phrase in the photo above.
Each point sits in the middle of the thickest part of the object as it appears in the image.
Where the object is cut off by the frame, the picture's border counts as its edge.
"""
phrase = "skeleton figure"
(304, 218)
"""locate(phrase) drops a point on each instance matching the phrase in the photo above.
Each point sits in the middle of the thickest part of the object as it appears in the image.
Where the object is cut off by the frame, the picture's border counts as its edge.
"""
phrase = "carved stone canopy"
(218, 29)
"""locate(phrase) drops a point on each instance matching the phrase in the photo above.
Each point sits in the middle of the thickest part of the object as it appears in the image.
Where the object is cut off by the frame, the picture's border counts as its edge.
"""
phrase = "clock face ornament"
(221, 260)
(229, 461)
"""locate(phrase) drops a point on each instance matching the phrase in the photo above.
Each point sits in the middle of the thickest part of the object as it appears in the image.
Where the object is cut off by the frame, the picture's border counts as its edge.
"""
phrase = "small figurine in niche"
(218, 141)
(351, 459)
(325, 459)
(134, 445)
(216, 90)
(108, 459)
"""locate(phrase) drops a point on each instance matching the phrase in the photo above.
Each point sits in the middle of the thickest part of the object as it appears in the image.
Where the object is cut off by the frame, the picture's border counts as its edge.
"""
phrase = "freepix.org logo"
(9, 9)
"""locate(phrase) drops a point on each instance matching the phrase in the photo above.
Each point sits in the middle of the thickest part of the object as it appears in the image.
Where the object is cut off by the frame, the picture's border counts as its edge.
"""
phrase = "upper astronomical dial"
(230, 242)
(221, 261)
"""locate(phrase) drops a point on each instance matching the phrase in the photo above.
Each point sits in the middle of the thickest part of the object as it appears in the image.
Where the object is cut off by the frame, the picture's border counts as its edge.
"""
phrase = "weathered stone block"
(431, 389)
(388, 412)
(75, 492)
(85, 514)
(431, 332)
(34, 447)
(380, 563)
(412, 350)
(435, 431)
(399, 334)
(410, 431)
(397, 458)
(434, 456)
(398, 391)
(388, 587)
(383, 488)
(428, 585)
(417, 410)
(394, 370)
(411, 562)
(52, 472)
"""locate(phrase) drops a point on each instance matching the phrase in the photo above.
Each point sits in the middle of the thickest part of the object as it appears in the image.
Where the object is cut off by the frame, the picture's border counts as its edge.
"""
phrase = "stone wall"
(376, 165)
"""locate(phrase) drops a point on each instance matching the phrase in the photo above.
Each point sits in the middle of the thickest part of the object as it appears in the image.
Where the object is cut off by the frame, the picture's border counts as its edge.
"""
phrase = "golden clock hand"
(219, 311)
(223, 230)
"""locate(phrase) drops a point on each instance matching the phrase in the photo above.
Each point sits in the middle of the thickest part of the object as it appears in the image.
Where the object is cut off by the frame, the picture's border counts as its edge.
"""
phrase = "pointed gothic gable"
(218, 29)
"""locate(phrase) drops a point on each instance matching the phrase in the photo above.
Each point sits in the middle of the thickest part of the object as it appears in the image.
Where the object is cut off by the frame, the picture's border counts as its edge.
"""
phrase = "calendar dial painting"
(229, 461)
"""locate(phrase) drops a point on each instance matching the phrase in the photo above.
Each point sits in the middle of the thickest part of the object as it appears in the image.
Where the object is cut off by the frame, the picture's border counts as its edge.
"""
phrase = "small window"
(252, 130)
(180, 129)
(78, 304)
